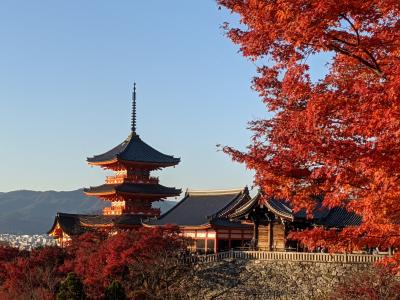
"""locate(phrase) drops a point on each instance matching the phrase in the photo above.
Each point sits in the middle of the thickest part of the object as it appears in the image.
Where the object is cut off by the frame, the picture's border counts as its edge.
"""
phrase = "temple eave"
(101, 163)
(114, 191)
(119, 163)
(88, 193)
(96, 225)
(155, 195)
(150, 164)
(142, 195)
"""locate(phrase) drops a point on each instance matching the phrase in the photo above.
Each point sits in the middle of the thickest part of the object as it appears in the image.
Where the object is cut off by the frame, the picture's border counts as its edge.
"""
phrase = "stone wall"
(261, 279)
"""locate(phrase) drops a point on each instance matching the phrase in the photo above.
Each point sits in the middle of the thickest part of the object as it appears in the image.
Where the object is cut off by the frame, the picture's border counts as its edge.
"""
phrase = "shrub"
(115, 291)
(374, 284)
(71, 289)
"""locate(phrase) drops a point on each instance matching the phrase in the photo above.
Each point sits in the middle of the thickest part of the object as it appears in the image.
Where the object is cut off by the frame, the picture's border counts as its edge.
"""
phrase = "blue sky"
(66, 74)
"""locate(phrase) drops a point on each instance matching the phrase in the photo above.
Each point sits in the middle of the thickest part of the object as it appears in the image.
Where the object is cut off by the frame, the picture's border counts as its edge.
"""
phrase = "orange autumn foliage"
(145, 261)
(339, 136)
(133, 257)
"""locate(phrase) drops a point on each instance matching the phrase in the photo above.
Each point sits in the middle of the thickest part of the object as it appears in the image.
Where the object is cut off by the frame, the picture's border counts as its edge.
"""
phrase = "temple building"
(214, 220)
(131, 191)
(274, 218)
(230, 219)
(203, 216)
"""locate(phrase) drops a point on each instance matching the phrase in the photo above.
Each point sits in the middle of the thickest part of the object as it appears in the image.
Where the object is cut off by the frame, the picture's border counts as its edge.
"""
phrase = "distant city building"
(26, 242)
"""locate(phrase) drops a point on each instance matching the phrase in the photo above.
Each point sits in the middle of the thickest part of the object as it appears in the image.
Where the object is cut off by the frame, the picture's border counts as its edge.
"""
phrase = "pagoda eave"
(135, 190)
(154, 165)
(127, 194)
(102, 163)
(144, 195)
(100, 194)
(117, 164)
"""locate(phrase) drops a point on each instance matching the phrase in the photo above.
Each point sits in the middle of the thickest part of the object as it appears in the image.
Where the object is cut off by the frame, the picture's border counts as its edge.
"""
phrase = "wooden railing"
(288, 256)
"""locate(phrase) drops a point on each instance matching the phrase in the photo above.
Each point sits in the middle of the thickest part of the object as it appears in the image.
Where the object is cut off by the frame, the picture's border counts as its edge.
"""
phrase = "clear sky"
(66, 75)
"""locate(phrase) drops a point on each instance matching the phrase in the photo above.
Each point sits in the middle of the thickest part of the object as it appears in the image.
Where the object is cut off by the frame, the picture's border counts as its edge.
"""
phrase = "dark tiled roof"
(133, 149)
(129, 220)
(283, 208)
(245, 208)
(134, 188)
(69, 223)
(197, 207)
(338, 217)
(75, 224)
(234, 205)
(223, 222)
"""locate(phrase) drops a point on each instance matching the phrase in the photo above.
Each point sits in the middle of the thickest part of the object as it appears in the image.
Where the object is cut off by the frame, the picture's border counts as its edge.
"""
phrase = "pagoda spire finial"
(133, 121)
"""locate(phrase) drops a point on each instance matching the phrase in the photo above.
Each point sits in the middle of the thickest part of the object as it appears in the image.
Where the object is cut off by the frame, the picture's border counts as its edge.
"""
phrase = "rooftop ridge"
(214, 192)
(246, 207)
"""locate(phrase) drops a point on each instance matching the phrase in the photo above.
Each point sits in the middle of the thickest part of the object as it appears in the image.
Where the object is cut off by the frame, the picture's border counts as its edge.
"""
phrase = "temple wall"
(257, 279)
(274, 241)
(213, 240)
(278, 237)
(263, 237)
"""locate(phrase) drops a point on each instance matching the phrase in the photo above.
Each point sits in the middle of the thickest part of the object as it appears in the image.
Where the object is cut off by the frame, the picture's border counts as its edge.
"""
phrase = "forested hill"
(31, 212)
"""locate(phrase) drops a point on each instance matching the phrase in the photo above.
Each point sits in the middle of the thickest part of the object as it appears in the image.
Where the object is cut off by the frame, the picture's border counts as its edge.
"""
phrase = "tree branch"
(343, 51)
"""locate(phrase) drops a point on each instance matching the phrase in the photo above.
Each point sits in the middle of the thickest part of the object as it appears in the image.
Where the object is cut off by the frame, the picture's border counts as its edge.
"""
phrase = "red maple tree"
(147, 261)
(141, 259)
(7, 254)
(30, 275)
(339, 136)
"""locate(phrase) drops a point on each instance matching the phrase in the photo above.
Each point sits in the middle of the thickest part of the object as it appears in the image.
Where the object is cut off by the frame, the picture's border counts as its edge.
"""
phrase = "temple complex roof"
(75, 224)
(203, 208)
(283, 208)
(336, 217)
(133, 188)
(133, 149)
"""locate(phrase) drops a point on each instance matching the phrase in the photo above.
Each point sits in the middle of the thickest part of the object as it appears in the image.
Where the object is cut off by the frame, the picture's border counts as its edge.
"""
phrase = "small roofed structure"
(66, 225)
(274, 218)
(204, 217)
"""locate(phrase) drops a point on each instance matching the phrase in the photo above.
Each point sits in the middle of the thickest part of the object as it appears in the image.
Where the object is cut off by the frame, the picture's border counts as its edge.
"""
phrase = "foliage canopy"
(340, 136)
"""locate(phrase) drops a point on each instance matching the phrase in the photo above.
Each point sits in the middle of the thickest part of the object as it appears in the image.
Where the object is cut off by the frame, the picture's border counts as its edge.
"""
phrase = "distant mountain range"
(31, 212)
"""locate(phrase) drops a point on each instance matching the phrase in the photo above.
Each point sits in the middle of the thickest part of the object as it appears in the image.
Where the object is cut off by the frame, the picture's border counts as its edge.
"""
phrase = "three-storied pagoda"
(131, 191)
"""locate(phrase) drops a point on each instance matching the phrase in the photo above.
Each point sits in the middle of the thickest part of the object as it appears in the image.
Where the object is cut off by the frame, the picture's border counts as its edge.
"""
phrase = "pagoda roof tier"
(75, 224)
(133, 189)
(134, 150)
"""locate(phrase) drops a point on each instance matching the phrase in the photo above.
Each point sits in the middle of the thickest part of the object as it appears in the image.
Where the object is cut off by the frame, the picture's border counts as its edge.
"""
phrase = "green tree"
(71, 289)
(115, 291)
